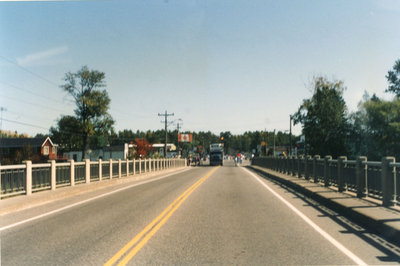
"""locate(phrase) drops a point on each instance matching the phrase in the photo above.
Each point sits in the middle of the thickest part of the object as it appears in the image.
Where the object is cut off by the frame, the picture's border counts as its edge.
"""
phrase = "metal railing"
(28, 178)
(41, 177)
(379, 180)
(63, 174)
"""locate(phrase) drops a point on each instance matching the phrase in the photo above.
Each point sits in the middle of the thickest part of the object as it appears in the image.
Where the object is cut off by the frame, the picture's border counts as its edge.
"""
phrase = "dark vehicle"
(216, 154)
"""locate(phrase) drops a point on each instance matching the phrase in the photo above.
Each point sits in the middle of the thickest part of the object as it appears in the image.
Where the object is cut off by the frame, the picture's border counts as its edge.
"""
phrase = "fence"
(380, 180)
(28, 178)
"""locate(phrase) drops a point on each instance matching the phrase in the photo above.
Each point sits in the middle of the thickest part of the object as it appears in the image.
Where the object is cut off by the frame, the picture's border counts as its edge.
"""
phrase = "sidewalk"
(371, 215)
(23, 202)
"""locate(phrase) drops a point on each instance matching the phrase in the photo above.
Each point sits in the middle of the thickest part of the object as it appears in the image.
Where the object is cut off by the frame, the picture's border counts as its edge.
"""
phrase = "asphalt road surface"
(206, 215)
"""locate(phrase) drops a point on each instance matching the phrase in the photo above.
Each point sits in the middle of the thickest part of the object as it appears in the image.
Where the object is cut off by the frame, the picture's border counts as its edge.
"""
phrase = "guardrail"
(379, 180)
(29, 178)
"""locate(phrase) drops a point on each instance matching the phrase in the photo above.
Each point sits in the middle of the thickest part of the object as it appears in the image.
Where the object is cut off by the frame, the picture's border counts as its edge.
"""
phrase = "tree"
(92, 104)
(68, 133)
(142, 148)
(227, 139)
(323, 118)
(393, 78)
(378, 128)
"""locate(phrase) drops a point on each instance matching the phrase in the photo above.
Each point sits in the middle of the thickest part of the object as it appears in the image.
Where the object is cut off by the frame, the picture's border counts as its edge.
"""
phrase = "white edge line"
(328, 237)
(85, 201)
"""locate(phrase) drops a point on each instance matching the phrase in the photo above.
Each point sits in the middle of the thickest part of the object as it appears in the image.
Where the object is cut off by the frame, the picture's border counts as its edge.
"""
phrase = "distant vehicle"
(216, 154)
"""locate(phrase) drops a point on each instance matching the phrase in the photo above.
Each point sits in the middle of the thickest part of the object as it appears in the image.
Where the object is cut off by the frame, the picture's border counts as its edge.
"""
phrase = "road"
(206, 215)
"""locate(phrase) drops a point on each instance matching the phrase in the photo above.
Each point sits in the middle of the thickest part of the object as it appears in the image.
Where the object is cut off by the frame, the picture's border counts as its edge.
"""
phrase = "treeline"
(12, 134)
(247, 142)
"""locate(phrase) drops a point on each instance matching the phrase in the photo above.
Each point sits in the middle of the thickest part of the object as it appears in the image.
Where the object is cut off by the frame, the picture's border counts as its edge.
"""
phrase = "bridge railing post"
(28, 177)
(387, 180)
(293, 165)
(306, 167)
(315, 165)
(72, 172)
(119, 168)
(149, 164)
(100, 169)
(299, 159)
(326, 170)
(287, 165)
(87, 171)
(278, 164)
(111, 168)
(341, 164)
(360, 176)
(53, 182)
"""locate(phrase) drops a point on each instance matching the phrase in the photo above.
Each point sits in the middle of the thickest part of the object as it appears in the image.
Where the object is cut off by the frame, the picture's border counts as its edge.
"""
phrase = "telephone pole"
(290, 136)
(166, 130)
(274, 143)
(1, 120)
(179, 126)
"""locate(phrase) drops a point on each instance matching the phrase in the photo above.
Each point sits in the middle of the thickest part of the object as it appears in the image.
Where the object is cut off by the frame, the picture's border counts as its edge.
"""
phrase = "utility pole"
(166, 130)
(274, 144)
(178, 126)
(1, 120)
(290, 136)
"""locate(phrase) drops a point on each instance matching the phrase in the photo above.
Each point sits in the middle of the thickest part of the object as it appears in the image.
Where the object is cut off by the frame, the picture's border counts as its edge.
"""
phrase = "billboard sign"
(185, 137)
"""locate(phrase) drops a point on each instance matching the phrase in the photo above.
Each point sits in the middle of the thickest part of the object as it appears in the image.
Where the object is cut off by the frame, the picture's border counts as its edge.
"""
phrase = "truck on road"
(216, 154)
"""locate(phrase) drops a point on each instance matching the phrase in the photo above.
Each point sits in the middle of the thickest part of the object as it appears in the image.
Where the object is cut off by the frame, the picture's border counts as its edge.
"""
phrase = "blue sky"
(217, 65)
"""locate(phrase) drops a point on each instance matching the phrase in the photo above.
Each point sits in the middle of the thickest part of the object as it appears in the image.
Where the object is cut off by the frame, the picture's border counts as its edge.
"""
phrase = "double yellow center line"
(125, 254)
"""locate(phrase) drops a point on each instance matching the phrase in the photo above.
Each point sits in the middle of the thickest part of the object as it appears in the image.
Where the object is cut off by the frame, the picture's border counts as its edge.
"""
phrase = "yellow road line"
(145, 235)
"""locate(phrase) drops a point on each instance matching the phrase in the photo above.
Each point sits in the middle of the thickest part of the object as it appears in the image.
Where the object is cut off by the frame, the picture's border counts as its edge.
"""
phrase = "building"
(158, 149)
(16, 150)
(106, 153)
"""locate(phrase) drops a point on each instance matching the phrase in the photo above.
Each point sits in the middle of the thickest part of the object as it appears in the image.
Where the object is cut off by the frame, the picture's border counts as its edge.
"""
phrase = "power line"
(34, 104)
(34, 93)
(24, 124)
(27, 70)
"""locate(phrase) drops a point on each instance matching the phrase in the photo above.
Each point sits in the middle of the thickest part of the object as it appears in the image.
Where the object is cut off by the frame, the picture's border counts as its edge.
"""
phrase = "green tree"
(228, 141)
(68, 133)
(393, 78)
(92, 104)
(323, 118)
(379, 128)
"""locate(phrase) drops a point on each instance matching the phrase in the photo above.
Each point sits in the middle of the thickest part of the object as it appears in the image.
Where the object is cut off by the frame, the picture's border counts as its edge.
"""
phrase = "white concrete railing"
(28, 178)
